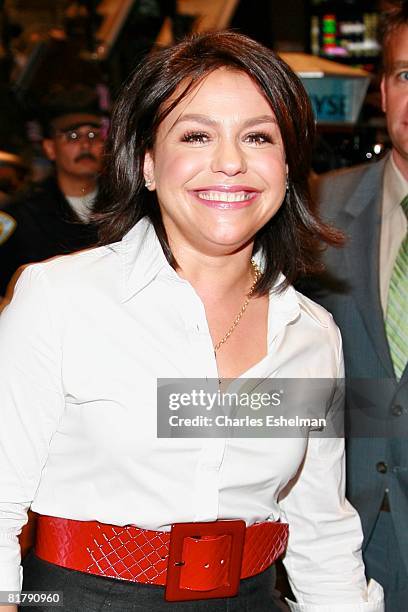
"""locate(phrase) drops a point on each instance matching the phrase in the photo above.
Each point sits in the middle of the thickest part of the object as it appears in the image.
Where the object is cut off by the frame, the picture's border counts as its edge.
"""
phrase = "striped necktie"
(396, 320)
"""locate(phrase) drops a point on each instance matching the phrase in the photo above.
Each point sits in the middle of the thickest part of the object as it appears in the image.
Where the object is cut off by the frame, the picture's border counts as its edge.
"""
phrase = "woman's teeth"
(224, 196)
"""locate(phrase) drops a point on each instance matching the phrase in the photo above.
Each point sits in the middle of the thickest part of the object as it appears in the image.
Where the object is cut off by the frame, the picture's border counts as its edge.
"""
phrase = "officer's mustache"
(85, 155)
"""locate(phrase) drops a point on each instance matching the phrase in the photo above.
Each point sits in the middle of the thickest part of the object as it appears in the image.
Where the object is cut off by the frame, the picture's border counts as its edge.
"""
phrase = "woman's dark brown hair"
(292, 240)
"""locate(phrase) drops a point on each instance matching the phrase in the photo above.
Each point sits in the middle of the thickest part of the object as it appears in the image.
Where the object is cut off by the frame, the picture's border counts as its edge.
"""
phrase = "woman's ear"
(148, 171)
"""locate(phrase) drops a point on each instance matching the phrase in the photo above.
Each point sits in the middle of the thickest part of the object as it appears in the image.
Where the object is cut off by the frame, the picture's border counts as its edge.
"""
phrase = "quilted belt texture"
(141, 555)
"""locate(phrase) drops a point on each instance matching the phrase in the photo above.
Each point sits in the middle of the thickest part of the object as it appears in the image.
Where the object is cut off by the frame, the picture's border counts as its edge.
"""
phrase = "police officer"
(51, 218)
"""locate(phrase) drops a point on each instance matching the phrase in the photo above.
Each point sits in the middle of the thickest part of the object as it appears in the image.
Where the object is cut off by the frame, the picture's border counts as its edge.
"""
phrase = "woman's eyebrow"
(398, 65)
(205, 120)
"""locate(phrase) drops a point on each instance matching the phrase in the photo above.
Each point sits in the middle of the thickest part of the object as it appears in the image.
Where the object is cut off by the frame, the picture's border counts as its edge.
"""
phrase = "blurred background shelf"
(98, 42)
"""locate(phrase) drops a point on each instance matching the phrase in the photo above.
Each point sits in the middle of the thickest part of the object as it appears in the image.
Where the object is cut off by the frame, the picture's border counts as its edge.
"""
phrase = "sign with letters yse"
(336, 99)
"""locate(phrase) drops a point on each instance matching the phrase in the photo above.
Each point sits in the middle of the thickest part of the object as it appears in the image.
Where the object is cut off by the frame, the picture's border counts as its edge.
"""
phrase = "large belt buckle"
(190, 575)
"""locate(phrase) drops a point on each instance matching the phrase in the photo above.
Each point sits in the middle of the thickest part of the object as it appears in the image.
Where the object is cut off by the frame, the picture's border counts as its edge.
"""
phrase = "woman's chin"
(229, 242)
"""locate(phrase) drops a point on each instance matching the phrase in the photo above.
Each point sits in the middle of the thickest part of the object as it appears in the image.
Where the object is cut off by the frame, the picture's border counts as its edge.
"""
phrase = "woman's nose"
(228, 158)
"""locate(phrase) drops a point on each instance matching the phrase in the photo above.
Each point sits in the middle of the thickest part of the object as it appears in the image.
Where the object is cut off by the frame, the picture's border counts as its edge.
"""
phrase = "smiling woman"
(172, 79)
(205, 221)
(219, 175)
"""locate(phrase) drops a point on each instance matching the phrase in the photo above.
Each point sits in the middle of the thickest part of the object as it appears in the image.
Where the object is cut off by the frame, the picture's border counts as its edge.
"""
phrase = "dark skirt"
(88, 593)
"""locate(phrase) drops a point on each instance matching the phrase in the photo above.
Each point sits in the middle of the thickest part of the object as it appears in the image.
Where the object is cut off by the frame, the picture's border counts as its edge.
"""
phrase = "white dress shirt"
(81, 347)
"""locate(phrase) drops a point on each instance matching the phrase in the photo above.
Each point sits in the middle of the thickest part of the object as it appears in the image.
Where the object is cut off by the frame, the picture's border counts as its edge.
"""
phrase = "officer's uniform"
(39, 225)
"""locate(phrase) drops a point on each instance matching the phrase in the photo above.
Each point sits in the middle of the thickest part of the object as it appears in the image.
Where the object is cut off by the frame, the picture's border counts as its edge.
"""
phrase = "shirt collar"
(395, 186)
(142, 258)
(283, 309)
(286, 306)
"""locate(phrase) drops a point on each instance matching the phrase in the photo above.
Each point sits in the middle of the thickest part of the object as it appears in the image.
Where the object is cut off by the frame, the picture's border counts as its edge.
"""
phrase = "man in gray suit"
(366, 289)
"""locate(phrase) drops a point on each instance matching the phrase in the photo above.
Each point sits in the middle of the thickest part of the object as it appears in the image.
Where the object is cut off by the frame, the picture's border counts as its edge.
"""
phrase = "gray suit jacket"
(377, 405)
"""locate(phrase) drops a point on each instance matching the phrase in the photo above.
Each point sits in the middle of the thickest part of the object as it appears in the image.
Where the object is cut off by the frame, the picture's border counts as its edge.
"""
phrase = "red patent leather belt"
(193, 561)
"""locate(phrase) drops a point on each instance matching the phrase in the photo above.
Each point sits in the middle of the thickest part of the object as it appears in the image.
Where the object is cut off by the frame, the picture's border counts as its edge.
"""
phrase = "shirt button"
(382, 467)
(397, 410)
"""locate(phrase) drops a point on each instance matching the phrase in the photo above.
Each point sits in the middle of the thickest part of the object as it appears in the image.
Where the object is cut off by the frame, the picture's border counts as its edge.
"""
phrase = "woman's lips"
(233, 197)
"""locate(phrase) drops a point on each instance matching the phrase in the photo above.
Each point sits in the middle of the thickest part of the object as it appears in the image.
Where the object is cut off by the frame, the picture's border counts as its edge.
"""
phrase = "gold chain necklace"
(257, 276)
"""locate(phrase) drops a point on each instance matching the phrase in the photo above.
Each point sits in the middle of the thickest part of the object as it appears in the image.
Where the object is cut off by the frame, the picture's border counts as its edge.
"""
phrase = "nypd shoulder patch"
(7, 226)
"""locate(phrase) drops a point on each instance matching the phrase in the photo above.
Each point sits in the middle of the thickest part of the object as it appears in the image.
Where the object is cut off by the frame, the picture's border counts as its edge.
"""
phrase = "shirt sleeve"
(323, 559)
(32, 403)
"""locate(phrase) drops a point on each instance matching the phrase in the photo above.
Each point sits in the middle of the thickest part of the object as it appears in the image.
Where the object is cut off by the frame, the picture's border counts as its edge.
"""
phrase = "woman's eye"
(403, 76)
(258, 138)
(196, 137)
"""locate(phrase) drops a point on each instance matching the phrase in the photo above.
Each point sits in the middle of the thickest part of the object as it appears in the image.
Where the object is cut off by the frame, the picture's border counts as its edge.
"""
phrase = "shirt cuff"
(374, 603)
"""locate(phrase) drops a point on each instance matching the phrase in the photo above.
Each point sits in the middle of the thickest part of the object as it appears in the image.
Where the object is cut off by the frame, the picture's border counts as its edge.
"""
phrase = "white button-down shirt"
(81, 347)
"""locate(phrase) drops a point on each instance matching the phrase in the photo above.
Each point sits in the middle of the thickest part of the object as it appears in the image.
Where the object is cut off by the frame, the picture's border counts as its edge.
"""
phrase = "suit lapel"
(363, 259)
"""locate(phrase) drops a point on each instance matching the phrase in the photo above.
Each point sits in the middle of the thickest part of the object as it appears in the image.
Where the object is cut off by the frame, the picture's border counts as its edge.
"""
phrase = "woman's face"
(218, 165)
